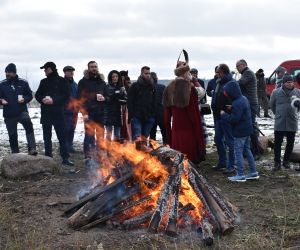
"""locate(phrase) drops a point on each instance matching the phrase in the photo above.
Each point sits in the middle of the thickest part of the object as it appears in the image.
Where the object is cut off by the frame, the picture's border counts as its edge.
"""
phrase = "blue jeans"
(242, 147)
(109, 130)
(141, 128)
(223, 134)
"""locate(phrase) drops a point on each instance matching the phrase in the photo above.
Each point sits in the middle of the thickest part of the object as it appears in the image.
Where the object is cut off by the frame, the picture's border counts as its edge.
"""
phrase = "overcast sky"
(127, 34)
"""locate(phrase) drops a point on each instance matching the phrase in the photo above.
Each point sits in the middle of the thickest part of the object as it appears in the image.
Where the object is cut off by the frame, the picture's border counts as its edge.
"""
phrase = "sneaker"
(67, 162)
(252, 176)
(286, 164)
(229, 171)
(277, 166)
(219, 167)
(237, 178)
(32, 151)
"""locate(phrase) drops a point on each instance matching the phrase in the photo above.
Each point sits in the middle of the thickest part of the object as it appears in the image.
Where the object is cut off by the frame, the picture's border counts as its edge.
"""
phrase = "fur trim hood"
(87, 75)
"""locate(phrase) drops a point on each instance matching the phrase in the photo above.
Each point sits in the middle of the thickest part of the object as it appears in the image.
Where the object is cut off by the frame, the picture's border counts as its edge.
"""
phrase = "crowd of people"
(124, 112)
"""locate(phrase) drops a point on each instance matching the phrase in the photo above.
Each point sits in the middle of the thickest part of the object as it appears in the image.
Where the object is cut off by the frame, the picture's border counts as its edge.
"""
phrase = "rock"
(22, 165)
(295, 156)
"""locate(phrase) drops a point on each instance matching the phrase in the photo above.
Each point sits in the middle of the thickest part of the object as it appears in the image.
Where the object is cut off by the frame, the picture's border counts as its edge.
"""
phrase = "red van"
(292, 67)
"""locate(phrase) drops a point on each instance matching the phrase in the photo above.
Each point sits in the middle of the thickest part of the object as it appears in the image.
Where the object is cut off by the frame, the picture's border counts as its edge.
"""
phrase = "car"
(292, 68)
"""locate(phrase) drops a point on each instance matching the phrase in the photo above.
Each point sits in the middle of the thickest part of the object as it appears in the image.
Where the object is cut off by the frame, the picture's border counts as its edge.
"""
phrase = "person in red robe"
(180, 100)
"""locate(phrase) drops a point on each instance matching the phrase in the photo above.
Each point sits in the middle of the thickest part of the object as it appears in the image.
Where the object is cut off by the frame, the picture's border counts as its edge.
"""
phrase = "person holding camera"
(283, 103)
(15, 93)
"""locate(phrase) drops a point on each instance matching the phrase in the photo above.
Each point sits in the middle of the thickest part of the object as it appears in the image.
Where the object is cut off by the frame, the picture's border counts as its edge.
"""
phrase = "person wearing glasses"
(248, 85)
(141, 107)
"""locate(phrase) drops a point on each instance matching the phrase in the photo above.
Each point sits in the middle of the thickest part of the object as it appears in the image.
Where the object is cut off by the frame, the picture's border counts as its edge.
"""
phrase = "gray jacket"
(248, 85)
(286, 117)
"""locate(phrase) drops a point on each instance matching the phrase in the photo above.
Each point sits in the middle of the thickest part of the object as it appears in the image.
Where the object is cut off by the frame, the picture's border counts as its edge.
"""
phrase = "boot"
(277, 166)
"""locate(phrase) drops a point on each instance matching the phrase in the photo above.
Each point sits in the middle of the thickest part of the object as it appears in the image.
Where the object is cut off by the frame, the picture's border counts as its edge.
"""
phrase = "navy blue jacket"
(57, 88)
(211, 86)
(219, 101)
(9, 90)
(240, 116)
(73, 96)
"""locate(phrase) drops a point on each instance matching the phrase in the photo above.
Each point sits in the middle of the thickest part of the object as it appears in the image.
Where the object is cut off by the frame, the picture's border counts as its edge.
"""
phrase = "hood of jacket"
(87, 75)
(109, 77)
(232, 90)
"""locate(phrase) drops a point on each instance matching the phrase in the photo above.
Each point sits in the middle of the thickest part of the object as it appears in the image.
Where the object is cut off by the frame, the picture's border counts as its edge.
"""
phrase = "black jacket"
(116, 96)
(88, 88)
(9, 90)
(159, 113)
(141, 100)
(219, 100)
(57, 88)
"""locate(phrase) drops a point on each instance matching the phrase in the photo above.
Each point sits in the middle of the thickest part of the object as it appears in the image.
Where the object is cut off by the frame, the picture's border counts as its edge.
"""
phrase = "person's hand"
(21, 100)
(47, 100)
(85, 117)
(228, 107)
(222, 112)
(4, 102)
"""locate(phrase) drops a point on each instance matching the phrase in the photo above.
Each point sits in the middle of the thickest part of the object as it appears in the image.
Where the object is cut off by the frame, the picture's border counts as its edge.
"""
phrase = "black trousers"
(290, 139)
(153, 131)
(12, 125)
(60, 128)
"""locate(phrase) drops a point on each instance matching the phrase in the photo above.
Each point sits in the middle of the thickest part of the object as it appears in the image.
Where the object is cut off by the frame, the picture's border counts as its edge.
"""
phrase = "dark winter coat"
(240, 116)
(248, 85)
(57, 88)
(219, 101)
(211, 86)
(9, 90)
(286, 117)
(116, 96)
(159, 112)
(69, 108)
(141, 100)
(88, 88)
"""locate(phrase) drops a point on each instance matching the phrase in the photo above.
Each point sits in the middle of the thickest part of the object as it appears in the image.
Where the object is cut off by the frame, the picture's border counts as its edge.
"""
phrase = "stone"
(18, 166)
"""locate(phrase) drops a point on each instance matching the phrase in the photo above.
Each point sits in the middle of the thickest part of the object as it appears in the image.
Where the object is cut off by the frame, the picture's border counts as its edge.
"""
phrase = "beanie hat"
(11, 68)
(287, 78)
(194, 71)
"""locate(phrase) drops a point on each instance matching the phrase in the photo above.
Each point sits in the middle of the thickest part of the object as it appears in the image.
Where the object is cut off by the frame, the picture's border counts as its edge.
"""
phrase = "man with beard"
(70, 111)
(92, 94)
(141, 106)
(53, 92)
(248, 85)
(15, 93)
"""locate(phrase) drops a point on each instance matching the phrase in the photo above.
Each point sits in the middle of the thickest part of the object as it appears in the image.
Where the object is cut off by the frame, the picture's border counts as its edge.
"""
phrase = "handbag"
(205, 109)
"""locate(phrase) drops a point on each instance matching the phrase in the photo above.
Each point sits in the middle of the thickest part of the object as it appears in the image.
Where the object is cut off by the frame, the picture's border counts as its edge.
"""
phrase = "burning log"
(102, 204)
(207, 233)
(222, 218)
(137, 220)
(171, 228)
(116, 211)
(162, 202)
(98, 191)
(226, 206)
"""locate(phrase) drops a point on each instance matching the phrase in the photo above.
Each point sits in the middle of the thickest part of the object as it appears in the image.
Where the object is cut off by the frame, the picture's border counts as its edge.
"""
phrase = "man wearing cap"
(53, 92)
(286, 119)
(15, 93)
(70, 110)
